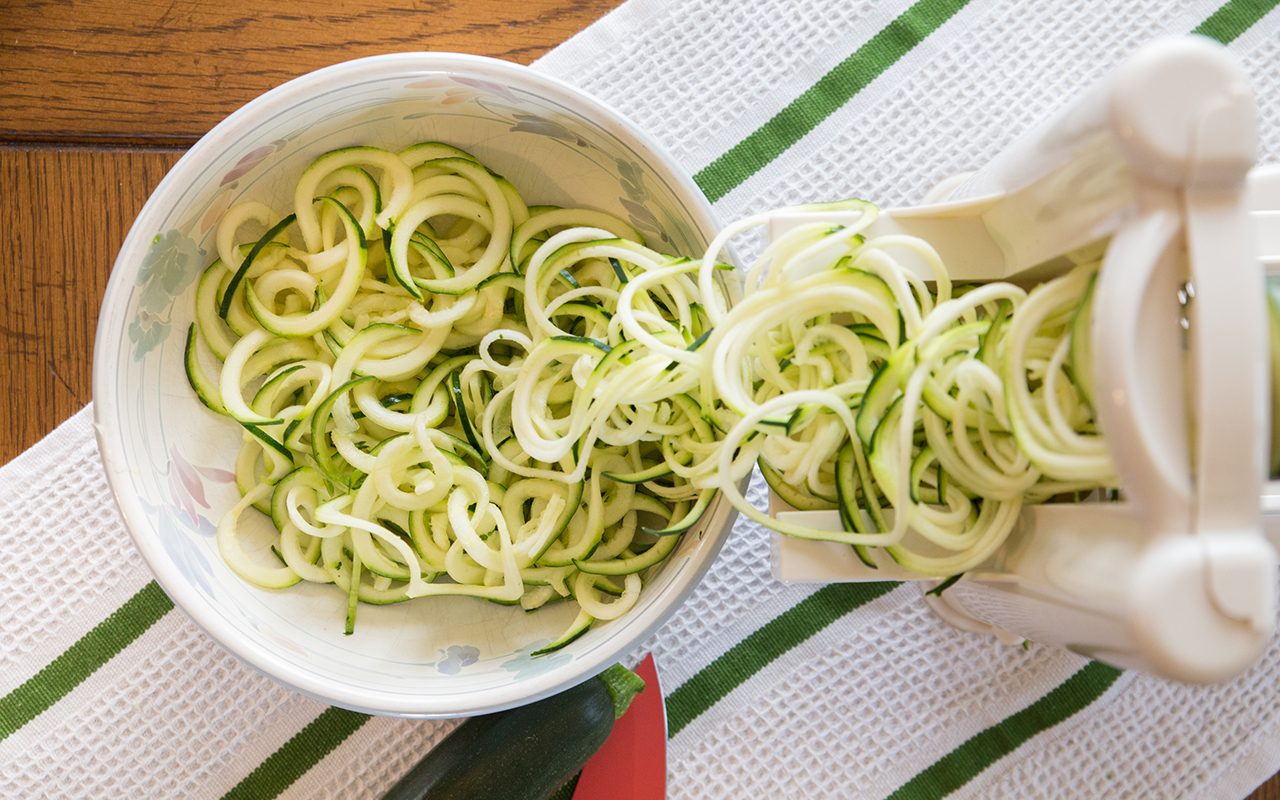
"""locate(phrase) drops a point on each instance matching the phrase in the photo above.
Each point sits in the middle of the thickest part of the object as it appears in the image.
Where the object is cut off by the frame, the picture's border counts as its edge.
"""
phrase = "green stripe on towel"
(764, 645)
(964, 763)
(298, 755)
(83, 658)
(1234, 18)
(822, 99)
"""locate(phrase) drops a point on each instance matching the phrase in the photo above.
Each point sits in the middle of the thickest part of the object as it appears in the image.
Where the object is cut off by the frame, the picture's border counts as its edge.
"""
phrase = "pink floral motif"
(219, 205)
(490, 86)
(449, 95)
(250, 160)
(455, 96)
(429, 83)
(217, 475)
(186, 484)
(285, 643)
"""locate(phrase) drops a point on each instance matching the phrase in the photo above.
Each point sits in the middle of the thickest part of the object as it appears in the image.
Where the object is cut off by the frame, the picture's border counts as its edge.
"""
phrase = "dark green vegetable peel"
(525, 753)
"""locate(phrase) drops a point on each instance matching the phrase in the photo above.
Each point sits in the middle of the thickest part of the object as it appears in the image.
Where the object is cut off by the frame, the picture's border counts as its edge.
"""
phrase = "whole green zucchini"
(524, 753)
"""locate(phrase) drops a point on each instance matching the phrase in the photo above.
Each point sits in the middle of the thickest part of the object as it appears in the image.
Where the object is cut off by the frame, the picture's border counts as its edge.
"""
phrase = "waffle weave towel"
(848, 691)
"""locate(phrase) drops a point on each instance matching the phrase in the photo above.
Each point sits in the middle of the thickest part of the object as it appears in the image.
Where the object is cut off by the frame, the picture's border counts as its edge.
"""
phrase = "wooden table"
(100, 97)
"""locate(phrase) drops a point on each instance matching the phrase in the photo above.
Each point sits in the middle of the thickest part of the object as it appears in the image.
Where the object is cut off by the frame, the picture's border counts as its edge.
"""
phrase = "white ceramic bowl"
(169, 459)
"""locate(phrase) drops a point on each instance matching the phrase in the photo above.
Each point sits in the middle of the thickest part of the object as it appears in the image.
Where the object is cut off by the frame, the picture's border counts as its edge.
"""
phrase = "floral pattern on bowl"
(169, 268)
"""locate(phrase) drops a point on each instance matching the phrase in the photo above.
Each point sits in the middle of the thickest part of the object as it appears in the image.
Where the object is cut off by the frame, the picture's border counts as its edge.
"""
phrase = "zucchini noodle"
(446, 391)
(926, 415)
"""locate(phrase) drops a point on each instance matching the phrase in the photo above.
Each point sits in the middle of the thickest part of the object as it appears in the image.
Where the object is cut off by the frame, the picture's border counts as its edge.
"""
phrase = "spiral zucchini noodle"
(926, 414)
(444, 391)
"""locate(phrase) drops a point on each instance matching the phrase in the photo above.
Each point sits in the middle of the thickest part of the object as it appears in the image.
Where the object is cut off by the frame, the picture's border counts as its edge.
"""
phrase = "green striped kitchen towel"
(845, 691)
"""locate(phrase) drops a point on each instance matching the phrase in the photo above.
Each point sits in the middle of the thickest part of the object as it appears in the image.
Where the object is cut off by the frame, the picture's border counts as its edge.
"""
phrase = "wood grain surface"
(152, 71)
(97, 100)
(63, 215)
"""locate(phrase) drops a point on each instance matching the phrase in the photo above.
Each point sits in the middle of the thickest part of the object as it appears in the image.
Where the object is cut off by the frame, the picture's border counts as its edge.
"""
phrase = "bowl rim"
(111, 329)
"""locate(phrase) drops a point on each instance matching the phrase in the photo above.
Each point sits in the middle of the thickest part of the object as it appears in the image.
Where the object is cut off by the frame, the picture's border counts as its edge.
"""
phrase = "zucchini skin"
(523, 753)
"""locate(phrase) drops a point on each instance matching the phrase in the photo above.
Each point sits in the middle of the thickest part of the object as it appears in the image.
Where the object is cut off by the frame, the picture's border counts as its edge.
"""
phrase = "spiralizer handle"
(1202, 598)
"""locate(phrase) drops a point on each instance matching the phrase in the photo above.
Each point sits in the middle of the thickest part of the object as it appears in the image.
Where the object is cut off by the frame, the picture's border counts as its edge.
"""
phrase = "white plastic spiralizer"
(1179, 578)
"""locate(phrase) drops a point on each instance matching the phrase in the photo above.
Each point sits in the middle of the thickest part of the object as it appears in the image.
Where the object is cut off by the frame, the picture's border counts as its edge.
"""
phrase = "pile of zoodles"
(445, 391)
(926, 414)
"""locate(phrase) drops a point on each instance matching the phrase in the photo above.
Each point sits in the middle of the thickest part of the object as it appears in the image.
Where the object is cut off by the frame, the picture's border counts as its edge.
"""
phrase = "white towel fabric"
(857, 708)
